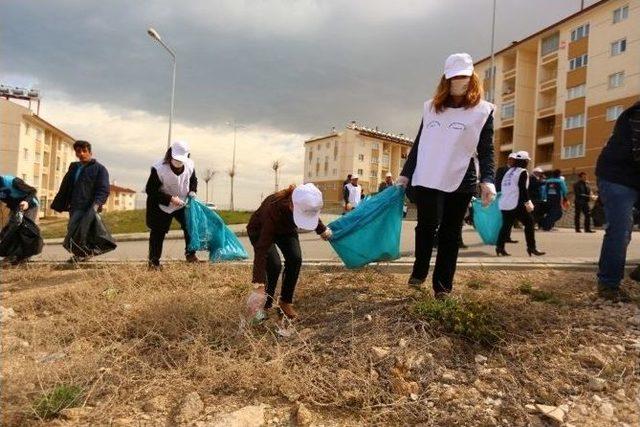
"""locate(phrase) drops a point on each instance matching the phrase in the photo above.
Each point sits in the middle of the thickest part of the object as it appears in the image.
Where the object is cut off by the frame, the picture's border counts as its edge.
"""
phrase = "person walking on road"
(582, 193)
(352, 194)
(515, 203)
(456, 131)
(275, 226)
(172, 180)
(555, 192)
(85, 186)
(618, 172)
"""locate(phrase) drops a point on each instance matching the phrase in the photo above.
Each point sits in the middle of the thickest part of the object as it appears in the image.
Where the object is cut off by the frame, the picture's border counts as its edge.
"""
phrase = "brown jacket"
(273, 218)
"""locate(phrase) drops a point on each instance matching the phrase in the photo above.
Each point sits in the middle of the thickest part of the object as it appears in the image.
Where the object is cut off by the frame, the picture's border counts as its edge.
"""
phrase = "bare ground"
(125, 337)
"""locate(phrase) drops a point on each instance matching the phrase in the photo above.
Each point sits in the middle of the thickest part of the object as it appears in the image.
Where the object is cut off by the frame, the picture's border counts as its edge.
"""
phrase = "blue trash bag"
(208, 232)
(487, 221)
(370, 232)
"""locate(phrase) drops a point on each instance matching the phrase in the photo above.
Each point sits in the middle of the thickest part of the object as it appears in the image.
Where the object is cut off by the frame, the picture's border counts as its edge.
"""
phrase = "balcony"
(374, 161)
(507, 146)
(549, 58)
(545, 139)
(550, 83)
(509, 73)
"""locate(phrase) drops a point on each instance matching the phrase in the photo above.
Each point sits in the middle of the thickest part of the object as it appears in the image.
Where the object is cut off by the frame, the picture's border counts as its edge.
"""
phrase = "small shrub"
(469, 320)
(538, 295)
(61, 397)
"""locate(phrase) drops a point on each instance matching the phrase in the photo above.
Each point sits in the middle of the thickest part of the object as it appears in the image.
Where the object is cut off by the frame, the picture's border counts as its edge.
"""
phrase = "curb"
(140, 237)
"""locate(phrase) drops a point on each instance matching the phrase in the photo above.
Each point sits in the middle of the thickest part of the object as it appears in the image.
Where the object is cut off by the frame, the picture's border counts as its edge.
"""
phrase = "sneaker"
(287, 310)
(635, 274)
(191, 258)
(415, 282)
(612, 294)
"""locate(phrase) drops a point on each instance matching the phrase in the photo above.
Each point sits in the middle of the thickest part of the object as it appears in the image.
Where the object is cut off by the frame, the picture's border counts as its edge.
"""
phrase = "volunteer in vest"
(352, 194)
(455, 136)
(171, 182)
(276, 224)
(515, 203)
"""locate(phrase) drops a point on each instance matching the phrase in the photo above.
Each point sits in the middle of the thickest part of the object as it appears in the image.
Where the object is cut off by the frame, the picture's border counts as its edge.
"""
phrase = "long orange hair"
(286, 192)
(471, 99)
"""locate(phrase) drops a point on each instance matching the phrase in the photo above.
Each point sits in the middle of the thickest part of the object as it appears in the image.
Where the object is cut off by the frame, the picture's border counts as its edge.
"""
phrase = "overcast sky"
(286, 70)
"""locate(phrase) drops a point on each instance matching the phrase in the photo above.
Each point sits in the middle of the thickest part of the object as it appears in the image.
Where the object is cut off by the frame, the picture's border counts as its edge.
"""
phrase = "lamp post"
(154, 35)
(232, 172)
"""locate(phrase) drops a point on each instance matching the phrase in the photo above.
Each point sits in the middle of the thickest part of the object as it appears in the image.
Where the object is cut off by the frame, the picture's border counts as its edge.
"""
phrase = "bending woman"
(455, 133)
(516, 204)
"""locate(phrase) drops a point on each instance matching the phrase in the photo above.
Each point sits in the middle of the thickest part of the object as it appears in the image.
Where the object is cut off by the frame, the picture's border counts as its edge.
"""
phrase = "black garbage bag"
(88, 236)
(20, 238)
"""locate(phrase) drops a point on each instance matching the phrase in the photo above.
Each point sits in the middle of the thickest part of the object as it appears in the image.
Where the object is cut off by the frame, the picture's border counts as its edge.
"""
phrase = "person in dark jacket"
(388, 182)
(171, 181)
(536, 182)
(19, 198)
(618, 172)
(85, 186)
(276, 224)
(555, 193)
(456, 131)
(582, 193)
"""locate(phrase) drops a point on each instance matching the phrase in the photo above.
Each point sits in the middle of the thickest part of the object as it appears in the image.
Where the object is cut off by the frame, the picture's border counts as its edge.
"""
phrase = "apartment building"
(370, 153)
(35, 150)
(559, 91)
(120, 199)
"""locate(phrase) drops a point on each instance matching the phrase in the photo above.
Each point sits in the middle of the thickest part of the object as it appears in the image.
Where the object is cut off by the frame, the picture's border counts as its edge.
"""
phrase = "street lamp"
(232, 172)
(154, 35)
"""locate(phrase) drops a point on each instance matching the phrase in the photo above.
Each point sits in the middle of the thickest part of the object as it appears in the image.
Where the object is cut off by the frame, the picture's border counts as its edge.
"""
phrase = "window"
(488, 95)
(550, 44)
(26, 154)
(616, 80)
(576, 92)
(39, 134)
(508, 110)
(374, 174)
(310, 153)
(573, 151)
(573, 122)
(335, 150)
(489, 72)
(326, 166)
(27, 128)
(375, 146)
(36, 180)
(580, 32)
(361, 157)
(579, 61)
(318, 167)
(335, 172)
(24, 177)
(614, 112)
(57, 163)
(360, 172)
(38, 157)
(620, 14)
(618, 47)
(328, 145)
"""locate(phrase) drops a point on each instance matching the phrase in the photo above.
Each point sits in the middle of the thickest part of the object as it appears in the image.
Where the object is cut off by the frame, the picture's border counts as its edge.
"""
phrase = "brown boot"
(287, 309)
(191, 258)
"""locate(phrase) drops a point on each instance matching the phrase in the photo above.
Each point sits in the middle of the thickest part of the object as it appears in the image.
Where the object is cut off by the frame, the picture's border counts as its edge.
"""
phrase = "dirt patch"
(124, 345)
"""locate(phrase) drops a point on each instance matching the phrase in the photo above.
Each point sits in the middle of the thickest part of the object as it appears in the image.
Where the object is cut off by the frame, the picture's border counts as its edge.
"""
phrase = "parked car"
(211, 206)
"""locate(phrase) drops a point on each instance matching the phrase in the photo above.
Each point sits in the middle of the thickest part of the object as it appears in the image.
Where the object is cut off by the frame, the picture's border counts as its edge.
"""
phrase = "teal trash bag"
(370, 232)
(487, 221)
(208, 232)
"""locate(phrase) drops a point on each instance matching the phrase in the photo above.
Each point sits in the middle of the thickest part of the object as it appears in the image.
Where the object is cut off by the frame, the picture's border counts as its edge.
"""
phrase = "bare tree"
(208, 177)
(276, 167)
(232, 173)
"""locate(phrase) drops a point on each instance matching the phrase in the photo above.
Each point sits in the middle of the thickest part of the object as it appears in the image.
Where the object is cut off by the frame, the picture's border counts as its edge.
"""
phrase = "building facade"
(34, 150)
(120, 199)
(367, 152)
(559, 91)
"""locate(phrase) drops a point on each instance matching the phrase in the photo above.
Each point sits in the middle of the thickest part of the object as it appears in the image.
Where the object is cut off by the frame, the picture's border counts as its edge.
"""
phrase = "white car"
(211, 206)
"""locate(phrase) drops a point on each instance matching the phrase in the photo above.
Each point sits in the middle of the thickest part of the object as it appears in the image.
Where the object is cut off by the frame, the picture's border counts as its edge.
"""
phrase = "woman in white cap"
(515, 203)
(276, 224)
(352, 193)
(171, 181)
(455, 136)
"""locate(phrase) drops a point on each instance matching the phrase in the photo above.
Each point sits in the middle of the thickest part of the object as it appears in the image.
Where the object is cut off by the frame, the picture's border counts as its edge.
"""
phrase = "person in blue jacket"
(19, 198)
(85, 186)
(554, 191)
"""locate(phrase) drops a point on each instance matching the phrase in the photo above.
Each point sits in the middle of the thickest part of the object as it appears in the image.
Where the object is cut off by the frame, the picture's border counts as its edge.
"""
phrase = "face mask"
(459, 86)
(176, 163)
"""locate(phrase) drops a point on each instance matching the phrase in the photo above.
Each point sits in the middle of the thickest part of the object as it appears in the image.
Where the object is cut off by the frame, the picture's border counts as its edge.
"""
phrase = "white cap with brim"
(307, 204)
(389, 175)
(512, 155)
(458, 64)
(522, 155)
(180, 151)
(355, 176)
(538, 170)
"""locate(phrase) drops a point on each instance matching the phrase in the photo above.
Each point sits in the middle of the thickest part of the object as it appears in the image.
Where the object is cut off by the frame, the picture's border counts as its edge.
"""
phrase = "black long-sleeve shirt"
(485, 159)
(582, 192)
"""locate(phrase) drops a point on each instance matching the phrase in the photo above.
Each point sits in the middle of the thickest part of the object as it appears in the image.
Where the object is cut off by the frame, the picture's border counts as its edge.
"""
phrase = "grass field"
(125, 346)
(129, 222)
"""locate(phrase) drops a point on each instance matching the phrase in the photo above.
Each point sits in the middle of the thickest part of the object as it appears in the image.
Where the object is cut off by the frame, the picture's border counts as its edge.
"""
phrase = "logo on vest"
(457, 126)
(433, 124)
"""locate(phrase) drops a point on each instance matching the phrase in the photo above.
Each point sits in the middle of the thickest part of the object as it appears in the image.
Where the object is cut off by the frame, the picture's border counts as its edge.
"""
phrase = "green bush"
(61, 397)
(466, 319)
(537, 294)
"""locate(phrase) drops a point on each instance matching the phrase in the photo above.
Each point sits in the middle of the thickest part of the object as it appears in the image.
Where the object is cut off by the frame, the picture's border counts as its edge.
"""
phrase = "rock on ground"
(249, 416)
(190, 408)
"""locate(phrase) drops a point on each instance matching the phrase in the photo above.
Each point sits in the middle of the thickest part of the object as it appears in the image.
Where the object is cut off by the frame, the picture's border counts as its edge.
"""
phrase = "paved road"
(562, 246)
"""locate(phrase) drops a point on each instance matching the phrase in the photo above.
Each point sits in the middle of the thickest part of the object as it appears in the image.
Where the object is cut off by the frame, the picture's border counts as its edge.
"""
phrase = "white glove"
(327, 234)
(192, 194)
(402, 181)
(23, 205)
(488, 193)
(176, 201)
(528, 205)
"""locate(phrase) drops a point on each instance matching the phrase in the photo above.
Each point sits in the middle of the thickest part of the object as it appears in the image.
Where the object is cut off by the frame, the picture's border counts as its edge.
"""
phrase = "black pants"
(454, 206)
(539, 211)
(289, 245)
(521, 214)
(554, 212)
(583, 208)
(162, 224)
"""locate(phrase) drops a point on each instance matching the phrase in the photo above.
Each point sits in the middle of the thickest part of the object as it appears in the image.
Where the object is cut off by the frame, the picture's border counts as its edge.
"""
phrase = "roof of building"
(371, 132)
(118, 189)
(544, 30)
(34, 118)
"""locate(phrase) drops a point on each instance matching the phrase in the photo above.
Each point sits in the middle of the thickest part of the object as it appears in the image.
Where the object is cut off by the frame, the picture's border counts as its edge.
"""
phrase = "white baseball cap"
(355, 176)
(458, 64)
(389, 175)
(180, 151)
(538, 170)
(307, 204)
(522, 155)
(513, 155)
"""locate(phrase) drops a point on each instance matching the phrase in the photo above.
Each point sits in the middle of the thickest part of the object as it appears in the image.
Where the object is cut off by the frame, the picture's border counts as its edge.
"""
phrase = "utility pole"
(208, 177)
(276, 166)
(232, 172)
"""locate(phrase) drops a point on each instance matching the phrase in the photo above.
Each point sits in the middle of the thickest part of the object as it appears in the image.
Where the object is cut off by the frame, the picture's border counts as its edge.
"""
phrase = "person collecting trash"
(456, 133)
(275, 226)
(353, 194)
(515, 203)
(20, 198)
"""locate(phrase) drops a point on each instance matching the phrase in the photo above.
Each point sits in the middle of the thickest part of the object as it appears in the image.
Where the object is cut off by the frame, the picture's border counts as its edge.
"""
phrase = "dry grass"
(122, 336)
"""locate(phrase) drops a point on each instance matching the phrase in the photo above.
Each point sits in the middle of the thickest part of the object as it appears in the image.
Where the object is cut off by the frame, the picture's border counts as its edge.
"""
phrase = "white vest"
(355, 194)
(448, 142)
(510, 190)
(175, 185)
